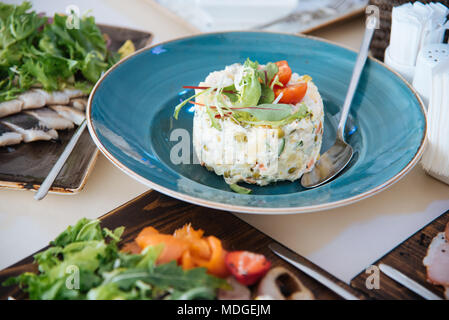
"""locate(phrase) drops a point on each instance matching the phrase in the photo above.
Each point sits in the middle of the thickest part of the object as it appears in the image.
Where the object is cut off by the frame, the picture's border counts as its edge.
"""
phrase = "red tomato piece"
(284, 72)
(247, 267)
(291, 94)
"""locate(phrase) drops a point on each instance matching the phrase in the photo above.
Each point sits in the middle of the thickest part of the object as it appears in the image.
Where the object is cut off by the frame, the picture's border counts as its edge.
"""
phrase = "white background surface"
(343, 241)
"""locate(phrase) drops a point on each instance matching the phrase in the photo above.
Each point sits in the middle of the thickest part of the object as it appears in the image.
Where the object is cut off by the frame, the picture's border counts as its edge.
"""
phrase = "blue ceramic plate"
(130, 119)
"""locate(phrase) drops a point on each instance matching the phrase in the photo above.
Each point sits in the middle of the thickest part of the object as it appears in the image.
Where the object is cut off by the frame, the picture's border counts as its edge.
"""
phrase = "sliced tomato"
(247, 267)
(291, 94)
(284, 72)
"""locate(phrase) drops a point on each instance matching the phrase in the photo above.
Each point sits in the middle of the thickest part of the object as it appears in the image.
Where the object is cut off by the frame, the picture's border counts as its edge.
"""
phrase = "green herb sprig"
(37, 51)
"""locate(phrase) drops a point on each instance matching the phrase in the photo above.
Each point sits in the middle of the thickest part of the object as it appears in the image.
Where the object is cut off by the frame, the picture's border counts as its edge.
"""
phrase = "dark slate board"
(25, 166)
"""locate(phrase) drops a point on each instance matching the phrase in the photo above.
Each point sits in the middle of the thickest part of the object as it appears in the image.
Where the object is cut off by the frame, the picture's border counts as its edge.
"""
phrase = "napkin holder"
(435, 160)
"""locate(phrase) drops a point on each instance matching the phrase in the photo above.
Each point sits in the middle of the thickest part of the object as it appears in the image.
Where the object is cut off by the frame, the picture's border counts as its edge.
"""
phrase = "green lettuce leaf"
(111, 291)
(48, 53)
(249, 88)
(106, 273)
(268, 72)
(267, 95)
(228, 91)
(83, 230)
(274, 115)
(266, 112)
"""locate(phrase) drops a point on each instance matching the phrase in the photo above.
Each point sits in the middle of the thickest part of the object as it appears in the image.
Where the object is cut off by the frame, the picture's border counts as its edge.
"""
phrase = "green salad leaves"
(84, 262)
(248, 85)
(250, 100)
(37, 51)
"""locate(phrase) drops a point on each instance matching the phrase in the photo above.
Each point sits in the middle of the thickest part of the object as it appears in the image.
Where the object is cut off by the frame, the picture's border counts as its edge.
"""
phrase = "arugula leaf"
(170, 275)
(107, 273)
(199, 293)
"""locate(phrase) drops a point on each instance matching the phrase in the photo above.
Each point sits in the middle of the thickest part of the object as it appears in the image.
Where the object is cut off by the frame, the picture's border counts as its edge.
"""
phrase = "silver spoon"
(338, 156)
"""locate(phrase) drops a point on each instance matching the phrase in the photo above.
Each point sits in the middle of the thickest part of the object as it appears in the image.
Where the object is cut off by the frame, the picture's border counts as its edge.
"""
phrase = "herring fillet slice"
(8, 136)
(10, 107)
(51, 119)
(29, 127)
(78, 103)
(70, 113)
(38, 98)
(74, 93)
(32, 99)
(36, 123)
(55, 97)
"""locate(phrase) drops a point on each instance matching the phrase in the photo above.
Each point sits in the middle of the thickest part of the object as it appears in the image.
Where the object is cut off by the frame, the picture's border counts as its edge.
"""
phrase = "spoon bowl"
(329, 165)
(338, 156)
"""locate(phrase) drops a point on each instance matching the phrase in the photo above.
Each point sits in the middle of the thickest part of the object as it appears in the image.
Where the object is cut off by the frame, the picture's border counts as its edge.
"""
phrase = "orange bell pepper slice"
(188, 247)
(216, 265)
(187, 232)
(187, 261)
(197, 245)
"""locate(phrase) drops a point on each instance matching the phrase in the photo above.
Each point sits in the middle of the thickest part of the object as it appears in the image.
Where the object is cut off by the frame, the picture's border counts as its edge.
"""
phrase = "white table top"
(343, 241)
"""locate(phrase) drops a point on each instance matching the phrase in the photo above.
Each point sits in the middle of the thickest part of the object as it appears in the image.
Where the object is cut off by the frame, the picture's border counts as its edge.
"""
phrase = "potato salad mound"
(257, 123)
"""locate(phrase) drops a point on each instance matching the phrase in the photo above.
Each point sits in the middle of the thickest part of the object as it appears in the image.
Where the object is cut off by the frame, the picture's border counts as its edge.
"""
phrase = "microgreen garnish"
(250, 100)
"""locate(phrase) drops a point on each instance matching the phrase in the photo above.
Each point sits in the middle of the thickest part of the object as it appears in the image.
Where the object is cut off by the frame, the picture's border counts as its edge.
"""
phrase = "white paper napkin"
(436, 156)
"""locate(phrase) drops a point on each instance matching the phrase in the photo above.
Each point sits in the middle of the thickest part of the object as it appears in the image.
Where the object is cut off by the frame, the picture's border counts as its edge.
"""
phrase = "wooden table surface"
(327, 238)
(167, 214)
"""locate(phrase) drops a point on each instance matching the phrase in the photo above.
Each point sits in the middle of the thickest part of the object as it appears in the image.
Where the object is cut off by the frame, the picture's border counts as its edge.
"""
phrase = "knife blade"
(407, 282)
(321, 277)
(47, 183)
